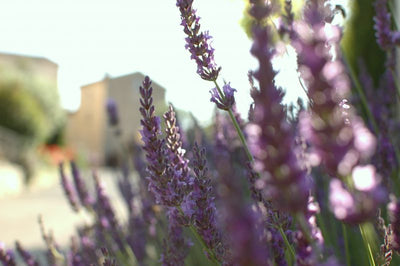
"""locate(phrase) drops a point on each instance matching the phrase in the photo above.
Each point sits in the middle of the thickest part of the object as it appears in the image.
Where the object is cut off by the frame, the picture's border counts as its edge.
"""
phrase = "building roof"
(135, 74)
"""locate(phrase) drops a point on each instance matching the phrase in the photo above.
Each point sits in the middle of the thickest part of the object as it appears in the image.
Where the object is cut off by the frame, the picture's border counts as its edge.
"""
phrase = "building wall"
(125, 92)
(88, 131)
(85, 128)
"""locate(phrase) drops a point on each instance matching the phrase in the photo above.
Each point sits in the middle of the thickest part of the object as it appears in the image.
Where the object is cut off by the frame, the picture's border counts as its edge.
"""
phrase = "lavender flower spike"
(175, 246)
(337, 134)
(198, 43)
(6, 256)
(203, 205)
(384, 35)
(161, 184)
(84, 197)
(246, 237)
(28, 259)
(270, 136)
(69, 189)
(105, 212)
(226, 101)
(394, 215)
(112, 111)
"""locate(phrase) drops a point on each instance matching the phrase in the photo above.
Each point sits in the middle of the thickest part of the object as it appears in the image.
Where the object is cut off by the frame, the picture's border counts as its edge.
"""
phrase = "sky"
(91, 38)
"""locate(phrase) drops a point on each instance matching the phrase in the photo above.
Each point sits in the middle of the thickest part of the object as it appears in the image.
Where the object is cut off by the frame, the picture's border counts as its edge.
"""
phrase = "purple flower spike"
(270, 136)
(6, 256)
(174, 140)
(246, 236)
(203, 205)
(226, 101)
(69, 189)
(178, 165)
(108, 260)
(84, 197)
(28, 259)
(166, 178)
(198, 43)
(175, 247)
(288, 17)
(112, 111)
(384, 35)
(338, 136)
(105, 212)
(151, 131)
(394, 215)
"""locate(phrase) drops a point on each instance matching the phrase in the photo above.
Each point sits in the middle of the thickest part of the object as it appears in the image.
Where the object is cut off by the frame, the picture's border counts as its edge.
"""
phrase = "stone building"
(88, 132)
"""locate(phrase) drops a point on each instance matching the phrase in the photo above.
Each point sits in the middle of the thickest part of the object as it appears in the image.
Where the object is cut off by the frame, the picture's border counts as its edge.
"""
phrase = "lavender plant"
(280, 188)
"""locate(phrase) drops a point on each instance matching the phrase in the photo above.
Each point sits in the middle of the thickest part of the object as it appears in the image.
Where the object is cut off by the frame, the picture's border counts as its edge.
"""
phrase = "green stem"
(241, 136)
(367, 246)
(200, 239)
(236, 125)
(392, 10)
(396, 81)
(288, 245)
(346, 244)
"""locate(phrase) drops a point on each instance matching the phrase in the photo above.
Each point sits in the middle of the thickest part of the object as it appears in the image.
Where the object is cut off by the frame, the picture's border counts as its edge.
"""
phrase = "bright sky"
(89, 38)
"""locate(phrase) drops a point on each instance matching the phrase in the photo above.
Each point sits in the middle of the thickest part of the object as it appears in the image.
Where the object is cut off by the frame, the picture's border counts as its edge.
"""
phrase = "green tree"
(30, 105)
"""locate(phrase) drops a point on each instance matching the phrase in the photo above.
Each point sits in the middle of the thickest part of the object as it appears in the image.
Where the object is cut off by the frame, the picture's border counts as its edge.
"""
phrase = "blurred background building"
(88, 132)
(34, 128)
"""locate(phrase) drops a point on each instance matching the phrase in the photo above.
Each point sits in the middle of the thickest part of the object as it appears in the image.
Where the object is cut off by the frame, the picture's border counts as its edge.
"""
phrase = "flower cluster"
(223, 101)
(385, 37)
(336, 134)
(203, 205)
(197, 42)
(270, 135)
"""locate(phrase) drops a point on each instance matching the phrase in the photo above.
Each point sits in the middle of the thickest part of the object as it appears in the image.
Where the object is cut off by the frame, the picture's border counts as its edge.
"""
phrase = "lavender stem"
(288, 245)
(346, 244)
(392, 10)
(236, 125)
(367, 246)
(396, 81)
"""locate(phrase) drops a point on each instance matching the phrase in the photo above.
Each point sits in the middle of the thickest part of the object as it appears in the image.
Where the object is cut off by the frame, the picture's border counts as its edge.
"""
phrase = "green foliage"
(359, 43)
(21, 112)
(29, 105)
